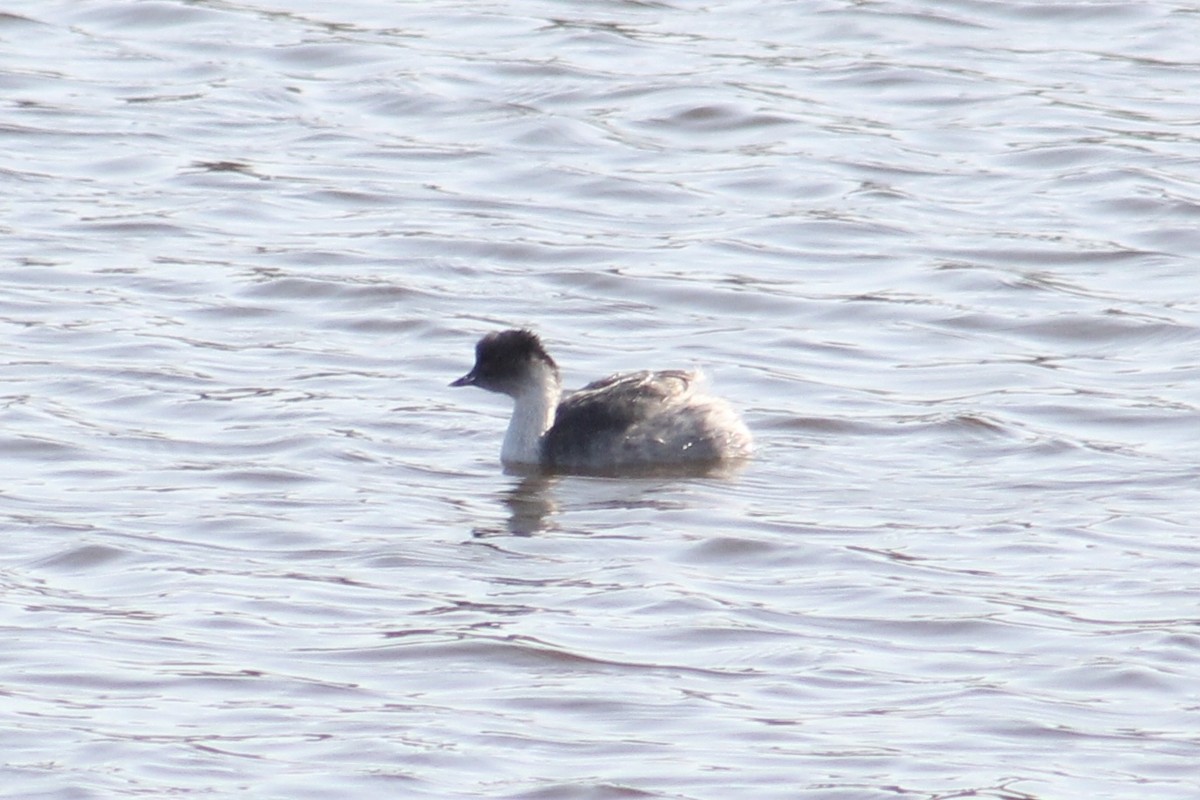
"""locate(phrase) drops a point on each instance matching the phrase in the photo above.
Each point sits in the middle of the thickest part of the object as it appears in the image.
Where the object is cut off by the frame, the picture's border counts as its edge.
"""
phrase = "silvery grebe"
(631, 420)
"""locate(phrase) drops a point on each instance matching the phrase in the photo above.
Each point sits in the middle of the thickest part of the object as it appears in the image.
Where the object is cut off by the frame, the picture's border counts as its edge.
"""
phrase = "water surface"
(941, 255)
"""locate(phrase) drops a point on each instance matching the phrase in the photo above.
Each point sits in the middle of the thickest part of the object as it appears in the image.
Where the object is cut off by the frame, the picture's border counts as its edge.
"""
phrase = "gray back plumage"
(599, 416)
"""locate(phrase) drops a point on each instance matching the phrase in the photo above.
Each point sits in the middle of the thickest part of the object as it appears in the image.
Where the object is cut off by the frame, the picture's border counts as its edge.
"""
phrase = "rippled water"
(943, 255)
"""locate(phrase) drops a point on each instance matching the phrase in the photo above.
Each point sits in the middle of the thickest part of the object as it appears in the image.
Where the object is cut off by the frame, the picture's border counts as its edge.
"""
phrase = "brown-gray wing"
(605, 410)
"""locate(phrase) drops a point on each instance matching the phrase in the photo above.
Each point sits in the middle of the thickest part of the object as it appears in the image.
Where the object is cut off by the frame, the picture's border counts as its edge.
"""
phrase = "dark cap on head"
(503, 360)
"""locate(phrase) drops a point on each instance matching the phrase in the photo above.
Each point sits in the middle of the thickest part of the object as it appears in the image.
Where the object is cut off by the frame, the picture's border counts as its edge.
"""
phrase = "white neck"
(533, 414)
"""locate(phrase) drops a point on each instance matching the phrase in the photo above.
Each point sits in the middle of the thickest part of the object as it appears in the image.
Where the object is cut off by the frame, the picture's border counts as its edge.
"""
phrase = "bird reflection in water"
(530, 503)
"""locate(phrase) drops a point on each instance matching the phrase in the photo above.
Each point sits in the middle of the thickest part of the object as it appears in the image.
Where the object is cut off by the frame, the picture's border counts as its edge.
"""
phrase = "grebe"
(631, 420)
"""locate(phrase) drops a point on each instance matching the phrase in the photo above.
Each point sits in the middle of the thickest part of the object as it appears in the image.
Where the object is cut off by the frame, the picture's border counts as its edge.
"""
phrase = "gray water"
(942, 255)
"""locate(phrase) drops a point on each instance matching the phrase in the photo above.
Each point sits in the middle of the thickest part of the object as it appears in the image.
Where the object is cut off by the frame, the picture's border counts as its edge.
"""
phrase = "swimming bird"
(625, 421)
